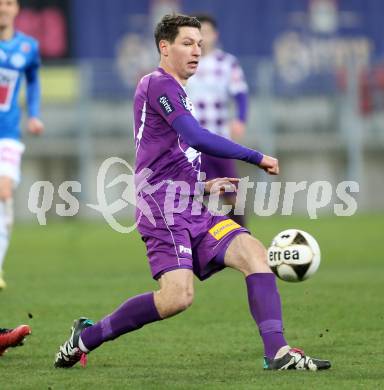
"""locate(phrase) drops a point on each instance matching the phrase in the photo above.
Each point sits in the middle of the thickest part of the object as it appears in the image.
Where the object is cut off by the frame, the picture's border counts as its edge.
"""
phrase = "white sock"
(4, 233)
(82, 346)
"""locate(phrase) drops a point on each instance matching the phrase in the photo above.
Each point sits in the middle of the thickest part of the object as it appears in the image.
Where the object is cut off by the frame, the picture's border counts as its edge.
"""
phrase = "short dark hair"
(206, 18)
(168, 27)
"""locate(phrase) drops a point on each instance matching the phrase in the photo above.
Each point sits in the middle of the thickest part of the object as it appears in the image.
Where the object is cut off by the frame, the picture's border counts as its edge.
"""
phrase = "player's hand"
(35, 126)
(270, 165)
(237, 129)
(221, 185)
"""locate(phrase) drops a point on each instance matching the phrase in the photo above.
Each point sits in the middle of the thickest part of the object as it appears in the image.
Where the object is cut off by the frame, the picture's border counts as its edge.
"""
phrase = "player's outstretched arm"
(204, 141)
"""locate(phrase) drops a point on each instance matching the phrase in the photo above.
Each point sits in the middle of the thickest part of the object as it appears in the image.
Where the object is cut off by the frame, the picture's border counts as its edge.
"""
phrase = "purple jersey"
(159, 100)
(174, 239)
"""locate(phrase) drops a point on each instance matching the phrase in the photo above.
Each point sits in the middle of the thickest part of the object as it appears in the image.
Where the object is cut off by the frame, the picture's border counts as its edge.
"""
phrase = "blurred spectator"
(218, 81)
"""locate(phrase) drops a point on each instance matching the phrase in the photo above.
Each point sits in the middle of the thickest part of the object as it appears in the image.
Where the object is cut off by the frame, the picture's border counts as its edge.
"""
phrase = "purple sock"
(265, 306)
(131, 315)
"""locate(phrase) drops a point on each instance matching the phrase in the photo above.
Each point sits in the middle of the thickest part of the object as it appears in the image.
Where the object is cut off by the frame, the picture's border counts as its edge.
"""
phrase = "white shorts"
(10, 158)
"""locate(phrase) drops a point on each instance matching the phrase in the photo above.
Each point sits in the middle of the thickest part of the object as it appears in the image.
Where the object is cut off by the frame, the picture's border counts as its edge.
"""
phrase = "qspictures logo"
(161, 201)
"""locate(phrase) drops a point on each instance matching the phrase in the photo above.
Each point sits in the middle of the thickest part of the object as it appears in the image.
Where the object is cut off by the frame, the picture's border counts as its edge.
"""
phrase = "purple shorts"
(217, 167)
(196, 242)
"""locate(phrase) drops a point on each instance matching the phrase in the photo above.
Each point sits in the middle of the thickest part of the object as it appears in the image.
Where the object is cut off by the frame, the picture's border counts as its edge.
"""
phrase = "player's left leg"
(246, 254)
(6, 220)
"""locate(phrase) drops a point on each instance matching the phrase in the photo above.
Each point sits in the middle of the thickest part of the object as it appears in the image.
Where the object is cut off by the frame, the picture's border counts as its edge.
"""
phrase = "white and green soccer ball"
(294, 255)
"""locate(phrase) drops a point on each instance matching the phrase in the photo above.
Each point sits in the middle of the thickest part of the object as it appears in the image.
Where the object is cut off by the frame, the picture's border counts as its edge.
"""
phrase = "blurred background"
(315, 70)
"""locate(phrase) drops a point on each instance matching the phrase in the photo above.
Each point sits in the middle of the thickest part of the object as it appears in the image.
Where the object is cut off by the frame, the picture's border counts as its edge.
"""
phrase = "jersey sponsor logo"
(8, 80)
(165, 104)
(223, 228)
(186, 250)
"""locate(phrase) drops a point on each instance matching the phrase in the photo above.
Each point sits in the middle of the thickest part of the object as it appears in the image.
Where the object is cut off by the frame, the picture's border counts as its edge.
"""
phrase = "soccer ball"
(294, 255)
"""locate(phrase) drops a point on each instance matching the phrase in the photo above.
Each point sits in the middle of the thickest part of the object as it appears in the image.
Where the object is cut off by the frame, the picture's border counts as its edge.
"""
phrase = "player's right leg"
(174, 296)
(6, 220)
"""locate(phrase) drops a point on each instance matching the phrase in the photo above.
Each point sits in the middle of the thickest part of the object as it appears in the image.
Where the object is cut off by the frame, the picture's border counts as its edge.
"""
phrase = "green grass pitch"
(61, 271)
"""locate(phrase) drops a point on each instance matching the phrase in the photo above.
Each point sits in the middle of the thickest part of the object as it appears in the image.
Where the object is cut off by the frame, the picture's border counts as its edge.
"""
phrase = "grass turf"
(62, 271)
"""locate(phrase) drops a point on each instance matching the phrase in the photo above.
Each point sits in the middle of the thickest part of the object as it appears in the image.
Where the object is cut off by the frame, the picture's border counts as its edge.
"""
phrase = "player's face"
(8, 11)
(209, 35)
(184, 53)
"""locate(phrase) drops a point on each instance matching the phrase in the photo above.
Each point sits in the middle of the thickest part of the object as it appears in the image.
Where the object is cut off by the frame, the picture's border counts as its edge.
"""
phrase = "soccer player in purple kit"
(19, 57)
(168, 145)
(219, 80)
